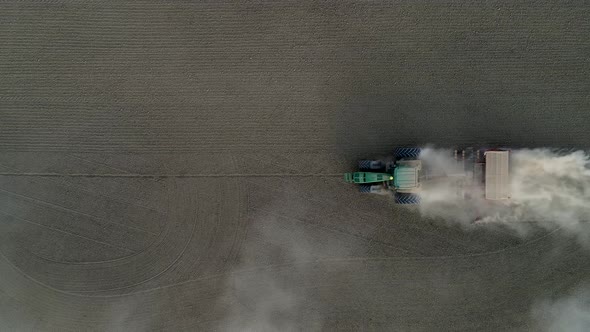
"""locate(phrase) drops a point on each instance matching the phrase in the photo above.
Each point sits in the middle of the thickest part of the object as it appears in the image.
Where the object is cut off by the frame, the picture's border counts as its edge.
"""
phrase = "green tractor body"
(401, 176)
(367, 177)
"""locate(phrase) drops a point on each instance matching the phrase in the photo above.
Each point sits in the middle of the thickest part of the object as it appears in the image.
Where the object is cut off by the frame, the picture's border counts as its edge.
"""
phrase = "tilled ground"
(246, 114)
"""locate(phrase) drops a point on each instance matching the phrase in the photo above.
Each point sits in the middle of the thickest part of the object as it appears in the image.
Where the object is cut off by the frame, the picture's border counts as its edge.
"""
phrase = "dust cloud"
(263, 300)
(272, 288)
(549, 188)
(570, 313)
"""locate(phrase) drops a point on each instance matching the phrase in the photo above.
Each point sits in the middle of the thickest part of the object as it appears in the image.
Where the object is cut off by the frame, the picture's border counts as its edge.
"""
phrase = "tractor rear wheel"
(405, 198)
(406, 153)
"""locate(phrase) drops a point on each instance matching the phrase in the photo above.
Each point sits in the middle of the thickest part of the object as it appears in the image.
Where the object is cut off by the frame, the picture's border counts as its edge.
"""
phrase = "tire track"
(64, 209)
(240, 232)
(162, 271)
(124, 273)
(80, 188)
(331, 229)
(320, 261)
(156, 176)
(321, 201)
(134, 252)
(66, 232)
(315, 261)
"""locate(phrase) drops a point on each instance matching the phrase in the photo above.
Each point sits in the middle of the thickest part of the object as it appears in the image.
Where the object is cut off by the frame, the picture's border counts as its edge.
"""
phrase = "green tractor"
(402, 176)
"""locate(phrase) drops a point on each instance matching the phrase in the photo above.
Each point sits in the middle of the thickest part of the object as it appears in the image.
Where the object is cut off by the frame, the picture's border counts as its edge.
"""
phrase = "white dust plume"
(567, 314)
(549, 188)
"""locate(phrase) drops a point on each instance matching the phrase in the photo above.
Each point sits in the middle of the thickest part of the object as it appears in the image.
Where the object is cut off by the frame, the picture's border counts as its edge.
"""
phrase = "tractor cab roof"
(406, 177)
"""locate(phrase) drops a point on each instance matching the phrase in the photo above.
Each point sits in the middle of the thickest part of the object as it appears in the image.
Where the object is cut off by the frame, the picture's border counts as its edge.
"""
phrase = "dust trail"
(566, 314)
(550, 188)
(278, 298)
(263, 301)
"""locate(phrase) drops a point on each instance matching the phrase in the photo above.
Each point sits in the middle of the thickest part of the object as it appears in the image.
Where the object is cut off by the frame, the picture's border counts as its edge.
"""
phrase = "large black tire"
(407, 153)
(368, 188)
(403, 198)
(371, 165)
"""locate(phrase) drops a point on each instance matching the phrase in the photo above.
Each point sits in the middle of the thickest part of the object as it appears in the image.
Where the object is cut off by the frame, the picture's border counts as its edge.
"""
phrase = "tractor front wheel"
(405, 198)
